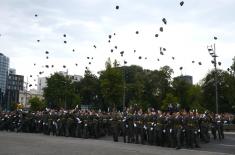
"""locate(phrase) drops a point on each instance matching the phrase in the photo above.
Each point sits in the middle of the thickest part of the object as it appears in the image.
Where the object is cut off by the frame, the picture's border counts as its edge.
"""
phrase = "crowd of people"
(168, 129)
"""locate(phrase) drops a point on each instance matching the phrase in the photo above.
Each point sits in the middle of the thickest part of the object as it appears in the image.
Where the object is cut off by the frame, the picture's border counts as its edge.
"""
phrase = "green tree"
(160, 84)
(140, 104)
(194, 98)
(111, 84)
(181, 88)
(135, 79)
(36, 104)
(88, 88)
(75, 101)
(226, 96)
(60, 92)
(169, 99)
(229, 88)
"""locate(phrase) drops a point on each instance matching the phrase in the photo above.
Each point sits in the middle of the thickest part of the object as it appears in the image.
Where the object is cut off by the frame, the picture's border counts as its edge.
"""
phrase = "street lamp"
(212, 52)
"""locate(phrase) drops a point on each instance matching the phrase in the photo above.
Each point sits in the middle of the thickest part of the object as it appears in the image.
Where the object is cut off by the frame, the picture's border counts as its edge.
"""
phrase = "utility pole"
(216, 82)
(212, 52)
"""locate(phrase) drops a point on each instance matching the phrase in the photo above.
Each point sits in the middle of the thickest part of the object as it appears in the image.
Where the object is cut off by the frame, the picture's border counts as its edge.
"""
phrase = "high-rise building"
(10, 84)
(12, 71)
(4, 65)
(186, 78)
(42, 83)
(14, 86)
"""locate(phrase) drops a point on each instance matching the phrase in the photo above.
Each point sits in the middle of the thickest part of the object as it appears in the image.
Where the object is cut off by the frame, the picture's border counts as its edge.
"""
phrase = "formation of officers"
(167, 129)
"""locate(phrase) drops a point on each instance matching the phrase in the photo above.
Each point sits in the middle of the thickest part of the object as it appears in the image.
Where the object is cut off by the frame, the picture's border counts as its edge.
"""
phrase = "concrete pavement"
(39, 144)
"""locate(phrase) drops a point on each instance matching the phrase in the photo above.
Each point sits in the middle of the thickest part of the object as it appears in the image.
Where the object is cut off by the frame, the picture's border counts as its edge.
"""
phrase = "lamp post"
(212, 52)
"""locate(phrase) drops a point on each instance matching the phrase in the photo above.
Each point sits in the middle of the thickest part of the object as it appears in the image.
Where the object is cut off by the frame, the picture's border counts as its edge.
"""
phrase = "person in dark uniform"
(159, 128)
(204, 127)
(196, 129)
(192, 130)
(178, 126)
(130, 130)
(164, 137)
(170, 130)
(213, 126)
(222, 126)
(95, 126)
(78, 126)
(144, 128)
(125, 128)
(137, 127)
(115, 126)
(85, 127)
(150, 126)
(219, 125)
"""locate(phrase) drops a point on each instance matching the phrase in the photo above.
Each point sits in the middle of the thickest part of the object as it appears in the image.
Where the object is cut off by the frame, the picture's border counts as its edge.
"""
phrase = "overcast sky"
(189, 30)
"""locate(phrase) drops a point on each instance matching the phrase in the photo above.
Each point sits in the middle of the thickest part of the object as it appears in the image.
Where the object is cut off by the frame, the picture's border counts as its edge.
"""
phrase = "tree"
(144, 105)
(231, 86)
(36, 104)
(160, 84)
(226, 90)
(111, 84)
(233, 67)
(169, 99)
(134, 79)
(60, 92)
(88, 88)
(194, 98)
(180, 89)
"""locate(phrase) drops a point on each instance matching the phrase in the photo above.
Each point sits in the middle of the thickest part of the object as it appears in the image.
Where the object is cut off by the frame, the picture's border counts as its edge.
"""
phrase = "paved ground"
(38, 144)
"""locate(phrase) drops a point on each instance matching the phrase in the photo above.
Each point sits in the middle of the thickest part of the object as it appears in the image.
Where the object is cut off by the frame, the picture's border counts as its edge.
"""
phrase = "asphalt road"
(39, 144)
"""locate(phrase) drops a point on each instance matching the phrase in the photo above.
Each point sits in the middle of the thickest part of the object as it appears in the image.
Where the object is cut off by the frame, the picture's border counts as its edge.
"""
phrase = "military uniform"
(115, 126)
(178, 126)
(204, 127)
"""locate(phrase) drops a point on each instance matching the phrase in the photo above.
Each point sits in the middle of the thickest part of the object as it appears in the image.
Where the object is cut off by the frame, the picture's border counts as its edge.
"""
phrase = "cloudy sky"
(189, 30)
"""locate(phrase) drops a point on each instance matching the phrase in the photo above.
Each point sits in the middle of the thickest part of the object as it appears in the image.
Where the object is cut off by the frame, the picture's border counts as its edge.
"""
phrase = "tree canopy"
(128, 85)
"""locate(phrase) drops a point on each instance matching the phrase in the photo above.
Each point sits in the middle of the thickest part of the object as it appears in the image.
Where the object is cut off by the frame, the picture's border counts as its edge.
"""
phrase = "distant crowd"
(168, 129)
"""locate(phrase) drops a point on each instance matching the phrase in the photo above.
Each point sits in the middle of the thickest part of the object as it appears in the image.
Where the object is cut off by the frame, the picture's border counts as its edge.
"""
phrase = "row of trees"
(134, 85)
